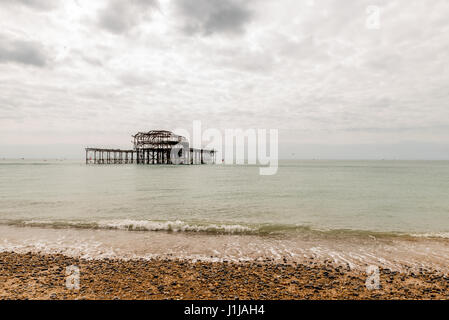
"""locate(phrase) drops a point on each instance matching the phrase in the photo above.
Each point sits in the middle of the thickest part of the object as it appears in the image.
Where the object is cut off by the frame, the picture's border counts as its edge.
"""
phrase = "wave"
(218, 228)
(141, 225)
(444, 235)
(175, 226)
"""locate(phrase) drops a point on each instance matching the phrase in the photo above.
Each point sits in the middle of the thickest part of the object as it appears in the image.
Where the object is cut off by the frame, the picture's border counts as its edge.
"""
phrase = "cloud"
(34, 4)
(311, 69)
(134, 79)
(22, 51)
(121, 16)
(207, 17)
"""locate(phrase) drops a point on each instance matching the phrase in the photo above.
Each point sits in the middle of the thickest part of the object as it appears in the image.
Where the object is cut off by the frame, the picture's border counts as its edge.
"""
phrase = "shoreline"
(43, 276)
(359, 252)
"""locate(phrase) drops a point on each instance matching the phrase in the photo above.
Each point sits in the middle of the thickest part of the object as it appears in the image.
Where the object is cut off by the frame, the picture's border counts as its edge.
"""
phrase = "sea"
(392, 214)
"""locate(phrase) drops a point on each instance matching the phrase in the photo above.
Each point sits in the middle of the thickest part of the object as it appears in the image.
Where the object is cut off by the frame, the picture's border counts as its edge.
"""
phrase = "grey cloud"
(315, 70)
(245, 60)
(90, 59)
(306, 50)
(134, 79)
(121, 16)
(34, 4)
(213, 16)
(385, 61)
(93, 61)
(22, 51)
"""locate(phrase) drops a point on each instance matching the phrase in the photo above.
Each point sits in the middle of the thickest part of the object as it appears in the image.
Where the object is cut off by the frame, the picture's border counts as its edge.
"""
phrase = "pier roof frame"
(158, 139)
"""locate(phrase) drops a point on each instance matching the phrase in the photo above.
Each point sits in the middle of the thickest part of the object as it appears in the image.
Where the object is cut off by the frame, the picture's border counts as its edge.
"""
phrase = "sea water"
(353, 212)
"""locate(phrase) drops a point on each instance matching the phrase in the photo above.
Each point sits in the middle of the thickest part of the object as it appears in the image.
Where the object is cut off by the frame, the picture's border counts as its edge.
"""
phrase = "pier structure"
(109, 156)
(165, 147)
(153, 147)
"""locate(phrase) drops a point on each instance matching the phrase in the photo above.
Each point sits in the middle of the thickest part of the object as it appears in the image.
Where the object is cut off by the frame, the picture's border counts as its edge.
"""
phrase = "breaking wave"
(215, 228)
(142, 225)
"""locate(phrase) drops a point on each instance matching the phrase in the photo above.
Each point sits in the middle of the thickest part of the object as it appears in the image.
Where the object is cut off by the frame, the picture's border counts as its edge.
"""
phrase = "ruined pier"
(153, 147)
(109, 156)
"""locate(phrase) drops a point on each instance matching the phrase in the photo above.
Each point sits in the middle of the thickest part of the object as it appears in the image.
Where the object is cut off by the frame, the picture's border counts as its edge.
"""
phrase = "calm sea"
(353, 212)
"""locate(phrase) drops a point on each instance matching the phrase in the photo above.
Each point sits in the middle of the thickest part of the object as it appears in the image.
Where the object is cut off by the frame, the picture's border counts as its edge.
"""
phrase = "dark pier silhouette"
(153, 147)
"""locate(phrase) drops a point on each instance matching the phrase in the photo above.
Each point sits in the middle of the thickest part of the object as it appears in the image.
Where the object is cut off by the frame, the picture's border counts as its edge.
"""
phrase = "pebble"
(32, 276)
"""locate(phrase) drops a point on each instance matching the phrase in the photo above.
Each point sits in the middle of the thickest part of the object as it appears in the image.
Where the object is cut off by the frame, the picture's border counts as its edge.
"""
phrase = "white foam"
(444, 235)
(115, 243)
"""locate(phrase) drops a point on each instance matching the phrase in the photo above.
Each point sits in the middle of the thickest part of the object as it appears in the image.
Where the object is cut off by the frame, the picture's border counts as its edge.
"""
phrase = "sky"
(339, 79)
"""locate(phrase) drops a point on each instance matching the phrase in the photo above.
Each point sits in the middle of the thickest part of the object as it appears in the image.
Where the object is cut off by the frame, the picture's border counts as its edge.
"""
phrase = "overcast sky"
(334, 82)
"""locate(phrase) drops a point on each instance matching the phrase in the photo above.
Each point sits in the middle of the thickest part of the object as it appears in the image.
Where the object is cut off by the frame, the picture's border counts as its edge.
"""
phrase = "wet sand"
(36, 276)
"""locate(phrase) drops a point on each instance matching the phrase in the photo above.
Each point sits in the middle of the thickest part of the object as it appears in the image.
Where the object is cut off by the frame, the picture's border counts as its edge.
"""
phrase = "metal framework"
(153, 147)
(109, 156)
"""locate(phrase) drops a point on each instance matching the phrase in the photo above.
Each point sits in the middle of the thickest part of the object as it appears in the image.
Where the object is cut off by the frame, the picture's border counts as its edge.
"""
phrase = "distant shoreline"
(36, 276)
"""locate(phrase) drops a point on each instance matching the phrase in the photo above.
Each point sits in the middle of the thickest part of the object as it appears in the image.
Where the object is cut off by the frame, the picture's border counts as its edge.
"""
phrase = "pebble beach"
(39, 276)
